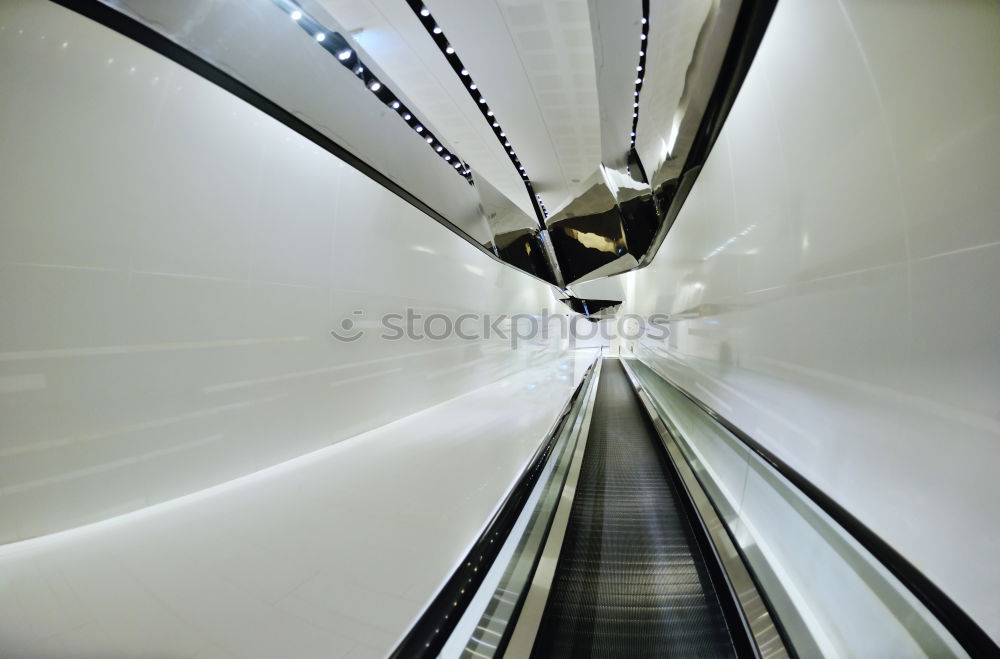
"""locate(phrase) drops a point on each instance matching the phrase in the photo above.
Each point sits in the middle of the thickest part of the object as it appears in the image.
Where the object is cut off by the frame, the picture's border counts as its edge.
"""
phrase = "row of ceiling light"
(334, 43)
(640, 70)
(437, 34)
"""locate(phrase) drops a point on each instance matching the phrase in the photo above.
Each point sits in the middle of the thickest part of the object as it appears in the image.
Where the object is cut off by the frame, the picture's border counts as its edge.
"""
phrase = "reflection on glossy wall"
(172, 263)
(833, 274)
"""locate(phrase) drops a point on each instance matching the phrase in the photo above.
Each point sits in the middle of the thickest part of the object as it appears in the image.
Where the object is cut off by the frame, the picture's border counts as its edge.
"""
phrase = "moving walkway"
(648, 526)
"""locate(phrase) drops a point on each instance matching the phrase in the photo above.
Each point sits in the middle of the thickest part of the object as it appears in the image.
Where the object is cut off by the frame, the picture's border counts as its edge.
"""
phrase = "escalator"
(631, 580)
(648, 525)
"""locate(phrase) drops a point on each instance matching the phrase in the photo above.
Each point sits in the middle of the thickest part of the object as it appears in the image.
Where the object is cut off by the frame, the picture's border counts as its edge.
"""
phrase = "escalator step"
(631, 580)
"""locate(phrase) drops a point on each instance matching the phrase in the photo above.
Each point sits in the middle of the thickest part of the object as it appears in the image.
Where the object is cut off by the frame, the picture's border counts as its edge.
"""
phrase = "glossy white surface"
(332, 554)
(171, 265)
(833, 274)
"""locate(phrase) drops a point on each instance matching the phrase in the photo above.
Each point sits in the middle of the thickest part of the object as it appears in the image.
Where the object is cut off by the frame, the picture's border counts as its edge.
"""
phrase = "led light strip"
(437, 34)
(640, 70)
(335, 44)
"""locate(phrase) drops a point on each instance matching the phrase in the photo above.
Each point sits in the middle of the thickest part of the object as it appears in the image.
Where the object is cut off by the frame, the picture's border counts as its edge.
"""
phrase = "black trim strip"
(429, 634)
(965, 630)
(436, 33)
(344, 54)
(640, 71)
(150, 38)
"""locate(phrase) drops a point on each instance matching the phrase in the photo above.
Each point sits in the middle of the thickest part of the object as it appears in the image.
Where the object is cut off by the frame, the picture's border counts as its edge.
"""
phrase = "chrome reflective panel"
(620, 215)
(671, 93)
(590, 234)
(501, 215)
(677, 127)
(592, 308)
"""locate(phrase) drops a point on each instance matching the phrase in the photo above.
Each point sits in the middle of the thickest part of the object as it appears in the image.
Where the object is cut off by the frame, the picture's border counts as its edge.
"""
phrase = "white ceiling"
(533, 60)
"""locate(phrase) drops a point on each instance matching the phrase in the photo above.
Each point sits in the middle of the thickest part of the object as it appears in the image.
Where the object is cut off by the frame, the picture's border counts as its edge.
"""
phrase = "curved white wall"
(171, 264)
(833, 275)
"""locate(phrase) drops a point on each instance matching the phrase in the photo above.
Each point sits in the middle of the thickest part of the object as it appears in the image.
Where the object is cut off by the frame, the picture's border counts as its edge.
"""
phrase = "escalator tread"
(631, 580)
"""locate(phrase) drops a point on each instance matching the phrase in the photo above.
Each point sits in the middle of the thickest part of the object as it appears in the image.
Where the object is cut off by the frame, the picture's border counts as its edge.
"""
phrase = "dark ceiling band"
(437, 34)
(640, 69)
(335, 44)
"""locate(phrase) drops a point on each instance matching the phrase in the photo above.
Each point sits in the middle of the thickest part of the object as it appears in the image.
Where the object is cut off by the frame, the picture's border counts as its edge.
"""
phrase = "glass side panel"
(831, 596)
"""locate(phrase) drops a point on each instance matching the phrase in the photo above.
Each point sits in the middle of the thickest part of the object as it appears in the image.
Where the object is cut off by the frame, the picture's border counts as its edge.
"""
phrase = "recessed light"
(425, 12)
(375, 85)
(344, 54)
(296, 15)
(436, 30)
(320, 36)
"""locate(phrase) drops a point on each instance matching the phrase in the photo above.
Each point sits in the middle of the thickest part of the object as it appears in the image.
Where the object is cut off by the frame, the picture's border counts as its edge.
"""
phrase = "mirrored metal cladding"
(619, 216)
(297, 63)
(592, 308)
(606, 228)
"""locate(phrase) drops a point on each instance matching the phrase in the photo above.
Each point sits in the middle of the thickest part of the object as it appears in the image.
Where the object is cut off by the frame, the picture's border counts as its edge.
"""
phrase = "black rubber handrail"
(962, 627)
(430, 632)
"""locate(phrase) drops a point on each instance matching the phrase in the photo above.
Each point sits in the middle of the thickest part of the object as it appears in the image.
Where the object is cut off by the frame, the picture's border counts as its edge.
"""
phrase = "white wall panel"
(171, 264)
(833, 273)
